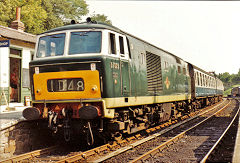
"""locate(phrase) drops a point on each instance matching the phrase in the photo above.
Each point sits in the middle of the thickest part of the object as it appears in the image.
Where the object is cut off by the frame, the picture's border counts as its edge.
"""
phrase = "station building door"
(15, 75)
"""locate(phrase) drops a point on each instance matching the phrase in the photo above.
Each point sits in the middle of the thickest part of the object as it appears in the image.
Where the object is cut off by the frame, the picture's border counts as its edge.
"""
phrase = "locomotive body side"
(111, 83)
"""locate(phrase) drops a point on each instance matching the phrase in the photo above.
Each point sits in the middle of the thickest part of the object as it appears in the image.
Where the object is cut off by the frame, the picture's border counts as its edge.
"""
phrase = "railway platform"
(236, 155)
(11, 115)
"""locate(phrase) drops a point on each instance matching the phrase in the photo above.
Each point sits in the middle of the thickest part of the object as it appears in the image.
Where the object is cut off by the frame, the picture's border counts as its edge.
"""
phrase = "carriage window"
(200, 75)
(112, 44)
(85, 42)
(52, 45)
(196, 78)
(184, 71)
(121, 45)
(179, 69)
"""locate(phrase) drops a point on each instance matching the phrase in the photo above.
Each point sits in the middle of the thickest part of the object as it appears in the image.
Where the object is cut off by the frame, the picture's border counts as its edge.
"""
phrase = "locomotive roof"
(85, 25)
(100, 25)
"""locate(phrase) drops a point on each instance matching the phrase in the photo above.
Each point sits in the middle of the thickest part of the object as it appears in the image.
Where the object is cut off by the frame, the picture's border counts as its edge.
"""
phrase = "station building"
(16, 51)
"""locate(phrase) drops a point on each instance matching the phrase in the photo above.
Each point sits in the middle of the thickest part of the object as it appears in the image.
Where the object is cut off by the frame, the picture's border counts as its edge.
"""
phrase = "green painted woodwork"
(25, 92)
(6, 92)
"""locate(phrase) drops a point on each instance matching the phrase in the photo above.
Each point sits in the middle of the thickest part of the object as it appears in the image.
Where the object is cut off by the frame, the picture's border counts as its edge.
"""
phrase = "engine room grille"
(154, 73)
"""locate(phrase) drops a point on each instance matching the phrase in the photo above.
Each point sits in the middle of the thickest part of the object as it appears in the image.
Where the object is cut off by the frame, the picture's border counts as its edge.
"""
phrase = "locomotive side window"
(52, 45)
(166, 65)
(112, 42)
(85, 42)
(129, 51)
(121, 45)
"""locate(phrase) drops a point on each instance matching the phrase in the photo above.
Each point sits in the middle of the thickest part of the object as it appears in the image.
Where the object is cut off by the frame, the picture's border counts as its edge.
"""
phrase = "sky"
(204, 33)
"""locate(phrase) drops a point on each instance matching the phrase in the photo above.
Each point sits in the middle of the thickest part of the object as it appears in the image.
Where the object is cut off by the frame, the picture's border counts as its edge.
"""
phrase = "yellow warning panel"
(67, 85)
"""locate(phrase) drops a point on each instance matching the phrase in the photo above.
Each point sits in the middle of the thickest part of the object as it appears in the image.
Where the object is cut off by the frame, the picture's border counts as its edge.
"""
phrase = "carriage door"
(124, 67)
(191, 74)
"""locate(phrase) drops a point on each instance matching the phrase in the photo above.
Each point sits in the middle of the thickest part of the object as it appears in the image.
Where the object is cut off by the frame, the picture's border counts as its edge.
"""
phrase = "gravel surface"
(196, 144)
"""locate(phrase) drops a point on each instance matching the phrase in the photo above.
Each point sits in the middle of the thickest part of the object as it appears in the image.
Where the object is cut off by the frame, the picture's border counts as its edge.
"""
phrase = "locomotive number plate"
(64, 85)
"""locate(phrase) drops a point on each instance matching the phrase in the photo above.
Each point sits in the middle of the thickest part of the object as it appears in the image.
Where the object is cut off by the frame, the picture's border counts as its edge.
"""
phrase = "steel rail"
(214, 146)
(163, 145)
(85, 154)
(29, 155)
(128, 147)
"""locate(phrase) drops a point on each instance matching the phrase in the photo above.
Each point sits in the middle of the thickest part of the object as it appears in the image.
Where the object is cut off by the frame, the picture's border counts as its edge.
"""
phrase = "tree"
(225, 77)
(32, 14)
(41, 15)
(60, 12)
(7, 11)
(101, 18)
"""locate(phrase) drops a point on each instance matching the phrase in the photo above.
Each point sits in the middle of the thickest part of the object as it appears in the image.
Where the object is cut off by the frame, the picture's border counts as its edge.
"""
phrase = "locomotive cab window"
(52, 45)
(121, 46)
(112, 44)
(85, 42)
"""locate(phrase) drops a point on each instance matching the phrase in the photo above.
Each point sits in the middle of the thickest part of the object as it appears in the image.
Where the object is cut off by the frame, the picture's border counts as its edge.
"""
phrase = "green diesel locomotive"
(97, 80)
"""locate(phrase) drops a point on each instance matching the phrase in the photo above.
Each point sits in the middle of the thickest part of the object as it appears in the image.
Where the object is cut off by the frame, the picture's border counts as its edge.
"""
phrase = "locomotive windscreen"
(85, 42)
(52, 45)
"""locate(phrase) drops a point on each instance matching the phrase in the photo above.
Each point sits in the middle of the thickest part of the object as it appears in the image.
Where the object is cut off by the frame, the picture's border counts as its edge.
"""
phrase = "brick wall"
(23, 137)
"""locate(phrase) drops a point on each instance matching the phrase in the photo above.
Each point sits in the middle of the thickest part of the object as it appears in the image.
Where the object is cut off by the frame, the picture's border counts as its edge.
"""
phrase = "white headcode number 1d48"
(64, 85)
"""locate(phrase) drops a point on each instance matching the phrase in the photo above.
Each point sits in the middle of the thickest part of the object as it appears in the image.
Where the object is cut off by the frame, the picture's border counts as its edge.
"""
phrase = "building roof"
(18, 35)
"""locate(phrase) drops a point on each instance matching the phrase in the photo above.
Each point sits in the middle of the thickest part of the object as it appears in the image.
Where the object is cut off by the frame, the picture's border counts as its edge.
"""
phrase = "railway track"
(30, 155)
(109, 153)
(193, 144)
(121, 149)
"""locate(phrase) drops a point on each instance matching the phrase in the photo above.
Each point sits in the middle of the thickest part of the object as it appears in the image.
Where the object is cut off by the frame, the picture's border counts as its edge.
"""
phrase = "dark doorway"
(15, 75)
